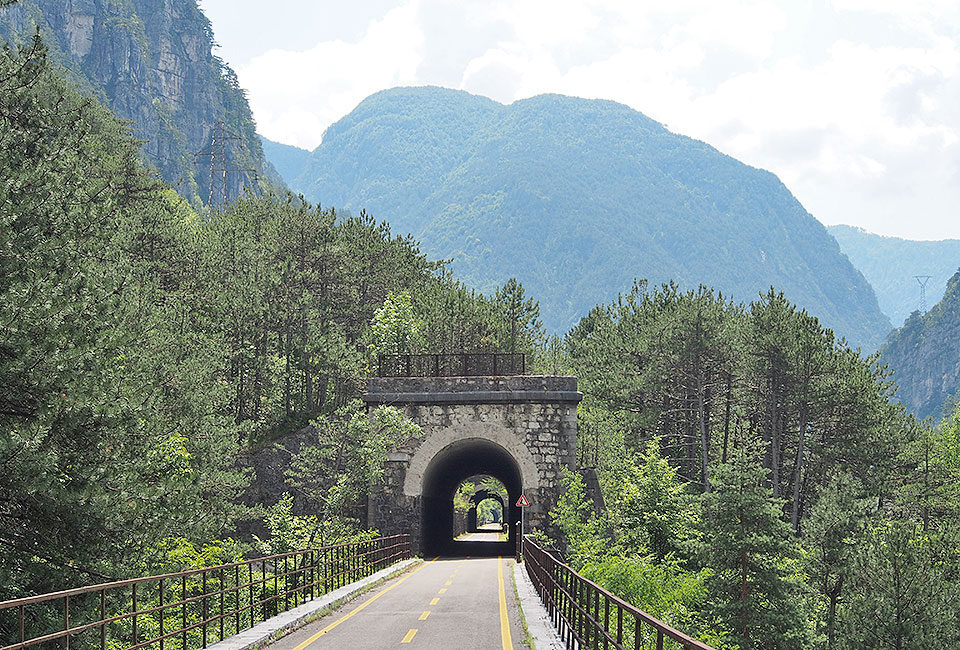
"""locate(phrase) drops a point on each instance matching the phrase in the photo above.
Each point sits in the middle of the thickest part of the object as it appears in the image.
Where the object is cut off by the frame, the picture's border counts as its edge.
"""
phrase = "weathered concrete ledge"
(478, 397)
(268, 631)
(539, 625)
(472, 390)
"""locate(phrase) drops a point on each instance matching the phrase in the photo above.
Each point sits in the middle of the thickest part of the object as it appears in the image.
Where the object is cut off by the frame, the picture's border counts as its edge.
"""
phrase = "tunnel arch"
(500, 435)
(454, 463)
(481, 495)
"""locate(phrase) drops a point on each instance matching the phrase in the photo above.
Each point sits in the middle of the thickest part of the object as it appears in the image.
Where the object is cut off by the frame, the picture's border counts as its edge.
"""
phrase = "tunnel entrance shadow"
(452, 465)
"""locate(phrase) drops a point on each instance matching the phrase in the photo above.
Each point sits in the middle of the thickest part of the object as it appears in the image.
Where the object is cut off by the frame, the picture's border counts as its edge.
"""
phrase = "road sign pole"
(521, 503)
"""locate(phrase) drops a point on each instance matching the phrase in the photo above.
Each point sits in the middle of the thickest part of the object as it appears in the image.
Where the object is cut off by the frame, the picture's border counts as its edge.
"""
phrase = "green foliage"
(756, 585)
(335, 473)
(463, 497)
(837, 523)
(113, 426)
(903, 590)
(654, 513)
(395, 328)
(663, 589)
(581, 528)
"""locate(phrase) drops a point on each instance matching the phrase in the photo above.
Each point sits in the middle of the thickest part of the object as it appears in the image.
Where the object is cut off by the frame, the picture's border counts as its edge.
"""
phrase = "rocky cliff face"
(925, 356)
(152, 62)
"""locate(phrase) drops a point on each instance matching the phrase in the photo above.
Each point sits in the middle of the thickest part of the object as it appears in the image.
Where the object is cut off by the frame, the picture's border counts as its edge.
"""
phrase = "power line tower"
(219, 167)
(922, 281)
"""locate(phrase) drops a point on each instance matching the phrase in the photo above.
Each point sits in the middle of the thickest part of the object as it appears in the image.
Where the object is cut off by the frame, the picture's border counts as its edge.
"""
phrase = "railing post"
(236, 598)
(249, 590)
(66, 620)
(203, 607)
(161, 613)
(183, 609)
(103, 619)
(221, 605)
(134, 613)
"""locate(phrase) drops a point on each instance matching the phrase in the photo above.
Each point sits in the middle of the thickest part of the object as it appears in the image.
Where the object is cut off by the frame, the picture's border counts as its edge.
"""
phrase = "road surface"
(442, 604)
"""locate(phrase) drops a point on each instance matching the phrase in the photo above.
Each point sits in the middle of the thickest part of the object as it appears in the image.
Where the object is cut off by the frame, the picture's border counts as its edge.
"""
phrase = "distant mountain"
(925, 355)
(577, 198)
(288, 160)
(152, 62)
(890, 265)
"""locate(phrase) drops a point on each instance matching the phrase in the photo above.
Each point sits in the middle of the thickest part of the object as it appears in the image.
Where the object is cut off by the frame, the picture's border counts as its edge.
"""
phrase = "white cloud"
(853, 103)
(330, 79)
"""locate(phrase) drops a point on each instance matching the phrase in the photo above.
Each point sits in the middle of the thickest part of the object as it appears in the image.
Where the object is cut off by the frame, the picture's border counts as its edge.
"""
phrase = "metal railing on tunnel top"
(588, 616)
(190, 609)
(451, 365)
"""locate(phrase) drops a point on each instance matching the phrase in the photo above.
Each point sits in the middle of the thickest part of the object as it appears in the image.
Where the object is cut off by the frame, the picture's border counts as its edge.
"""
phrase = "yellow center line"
(505, 637)
(359, 608)
(409, 637)
(425, 614)
(434, 601)
(448, 583)
(443, 591)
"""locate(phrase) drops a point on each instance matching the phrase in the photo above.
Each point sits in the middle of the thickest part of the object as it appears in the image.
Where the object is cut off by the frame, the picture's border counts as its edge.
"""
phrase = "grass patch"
(528, 639)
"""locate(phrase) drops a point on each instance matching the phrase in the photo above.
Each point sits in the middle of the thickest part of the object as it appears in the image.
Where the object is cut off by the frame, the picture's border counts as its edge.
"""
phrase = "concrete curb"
(272, 629)
(539, 625)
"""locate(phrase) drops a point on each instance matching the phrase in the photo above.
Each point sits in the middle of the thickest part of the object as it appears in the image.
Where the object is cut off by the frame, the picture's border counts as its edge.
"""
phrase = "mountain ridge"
(578, 198)
(890, 265)
(152, 62)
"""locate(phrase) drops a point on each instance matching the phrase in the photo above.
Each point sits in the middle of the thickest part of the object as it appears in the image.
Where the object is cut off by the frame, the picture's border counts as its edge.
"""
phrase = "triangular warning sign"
(522, 502)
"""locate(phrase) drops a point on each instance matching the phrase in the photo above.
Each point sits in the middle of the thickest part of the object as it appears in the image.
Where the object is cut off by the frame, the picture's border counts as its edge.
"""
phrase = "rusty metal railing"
(588, 616)
(190, 609)
(451, 365)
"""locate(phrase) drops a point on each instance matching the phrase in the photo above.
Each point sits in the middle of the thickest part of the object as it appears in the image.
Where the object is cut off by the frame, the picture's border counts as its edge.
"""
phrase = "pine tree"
(754, 589)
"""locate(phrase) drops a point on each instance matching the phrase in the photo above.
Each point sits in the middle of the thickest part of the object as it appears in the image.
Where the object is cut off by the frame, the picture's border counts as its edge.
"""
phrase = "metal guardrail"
(451, 365)
(588, 616)
(189, 609)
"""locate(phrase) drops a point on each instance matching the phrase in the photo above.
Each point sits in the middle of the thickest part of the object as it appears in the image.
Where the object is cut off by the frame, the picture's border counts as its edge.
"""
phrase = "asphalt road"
(442, 604)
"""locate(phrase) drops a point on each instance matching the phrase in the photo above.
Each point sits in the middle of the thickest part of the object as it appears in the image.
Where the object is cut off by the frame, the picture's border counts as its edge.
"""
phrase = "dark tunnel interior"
(446, 471)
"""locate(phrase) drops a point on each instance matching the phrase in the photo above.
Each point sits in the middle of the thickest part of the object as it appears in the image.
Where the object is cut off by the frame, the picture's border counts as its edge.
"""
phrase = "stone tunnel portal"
(522, 430)
(453, 464)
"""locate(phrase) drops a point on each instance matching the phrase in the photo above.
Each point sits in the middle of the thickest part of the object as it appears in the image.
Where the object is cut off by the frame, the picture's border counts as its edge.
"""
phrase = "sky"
(854, 104)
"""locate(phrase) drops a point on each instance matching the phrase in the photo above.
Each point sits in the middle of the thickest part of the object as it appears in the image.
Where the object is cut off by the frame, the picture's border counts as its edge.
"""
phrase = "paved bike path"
(443, 604)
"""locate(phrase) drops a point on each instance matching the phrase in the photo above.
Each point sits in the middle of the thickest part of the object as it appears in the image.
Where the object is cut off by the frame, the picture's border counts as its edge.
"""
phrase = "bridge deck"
(444, 604)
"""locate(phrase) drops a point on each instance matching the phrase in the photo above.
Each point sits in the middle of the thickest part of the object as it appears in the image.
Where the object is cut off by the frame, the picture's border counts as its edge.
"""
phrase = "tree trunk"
(704, 435)
(798, 470)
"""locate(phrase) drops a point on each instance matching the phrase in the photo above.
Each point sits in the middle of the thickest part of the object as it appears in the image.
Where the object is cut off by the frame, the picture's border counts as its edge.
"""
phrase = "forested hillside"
(761, 489)
(577, 199)
(152, 62)
(925, 356)
(147, 351)
(890, 265)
